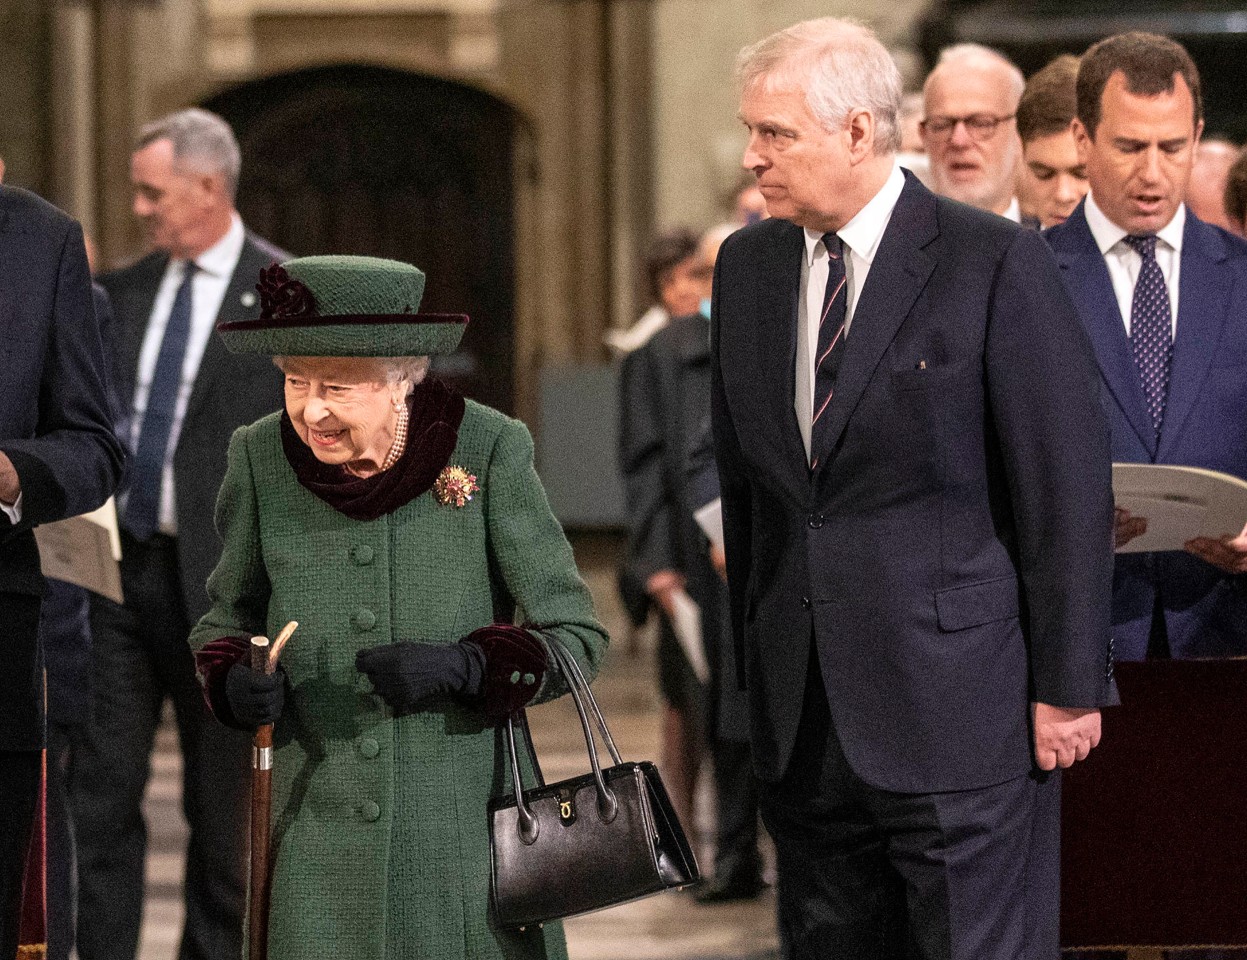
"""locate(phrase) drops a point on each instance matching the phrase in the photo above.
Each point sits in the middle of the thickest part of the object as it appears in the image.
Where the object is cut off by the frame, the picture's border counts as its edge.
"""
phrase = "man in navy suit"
(917, 513)
(58, 458)
(1163, 297)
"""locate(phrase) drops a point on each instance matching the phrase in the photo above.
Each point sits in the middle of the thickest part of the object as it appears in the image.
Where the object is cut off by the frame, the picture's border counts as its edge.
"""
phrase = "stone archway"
(383, 162)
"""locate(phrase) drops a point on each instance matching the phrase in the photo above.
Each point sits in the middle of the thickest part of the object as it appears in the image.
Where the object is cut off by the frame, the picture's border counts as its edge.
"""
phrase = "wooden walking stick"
(263, 660)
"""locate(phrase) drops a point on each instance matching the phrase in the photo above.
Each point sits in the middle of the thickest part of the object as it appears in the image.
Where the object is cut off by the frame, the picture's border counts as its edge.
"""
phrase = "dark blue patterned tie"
(142, 513)
(1151, 328)
(830, 344)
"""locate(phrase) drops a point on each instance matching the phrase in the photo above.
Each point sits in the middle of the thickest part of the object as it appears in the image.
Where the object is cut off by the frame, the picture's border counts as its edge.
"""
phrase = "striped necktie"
(830, 345)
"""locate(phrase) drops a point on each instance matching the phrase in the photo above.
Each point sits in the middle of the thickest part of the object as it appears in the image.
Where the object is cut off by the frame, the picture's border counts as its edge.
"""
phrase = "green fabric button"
(369, 748)
(515, 676)
(362, 555)
(369, 812)
(364, 619)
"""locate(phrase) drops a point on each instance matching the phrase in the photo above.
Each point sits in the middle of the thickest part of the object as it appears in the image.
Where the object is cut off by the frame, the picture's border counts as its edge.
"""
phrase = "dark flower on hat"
(282, 297)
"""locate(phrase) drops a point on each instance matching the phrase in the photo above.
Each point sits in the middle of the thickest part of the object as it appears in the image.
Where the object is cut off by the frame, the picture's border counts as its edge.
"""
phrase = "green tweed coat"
(380, 842)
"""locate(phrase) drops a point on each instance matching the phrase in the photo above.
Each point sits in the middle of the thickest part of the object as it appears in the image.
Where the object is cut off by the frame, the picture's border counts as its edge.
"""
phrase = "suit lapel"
(1203, 299)
(1087, 278)
(216, 365)
(898, 273)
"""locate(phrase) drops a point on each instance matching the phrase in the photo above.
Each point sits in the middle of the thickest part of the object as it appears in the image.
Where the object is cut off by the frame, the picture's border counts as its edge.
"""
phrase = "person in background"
(1236, 195)
(184, 395)
(1163, 297)
(1205, 194)
(970, 103)
(1053, 180)
(59, 458)
(676, 279)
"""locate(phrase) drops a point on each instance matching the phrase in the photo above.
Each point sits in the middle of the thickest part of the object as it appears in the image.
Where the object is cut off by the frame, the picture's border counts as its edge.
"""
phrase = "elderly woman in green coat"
(406, 530)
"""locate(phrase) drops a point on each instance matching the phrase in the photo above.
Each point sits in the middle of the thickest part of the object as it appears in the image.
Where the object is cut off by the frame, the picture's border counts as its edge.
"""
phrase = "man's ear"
(1082, 140)
(862, 130)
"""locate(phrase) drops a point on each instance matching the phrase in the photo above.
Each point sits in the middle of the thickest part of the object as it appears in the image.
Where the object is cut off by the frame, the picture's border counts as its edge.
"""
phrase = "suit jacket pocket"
(959, 608)
(923, 377)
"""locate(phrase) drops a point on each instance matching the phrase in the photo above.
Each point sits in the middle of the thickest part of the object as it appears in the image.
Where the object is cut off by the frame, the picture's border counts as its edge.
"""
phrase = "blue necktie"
(1151, 328)
(830, 344)
(142, 513)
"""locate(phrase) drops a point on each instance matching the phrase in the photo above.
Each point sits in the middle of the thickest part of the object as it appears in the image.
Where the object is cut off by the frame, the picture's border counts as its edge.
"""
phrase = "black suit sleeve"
(73, 461)
(1042, 385)
(641, 458)
(733, 482)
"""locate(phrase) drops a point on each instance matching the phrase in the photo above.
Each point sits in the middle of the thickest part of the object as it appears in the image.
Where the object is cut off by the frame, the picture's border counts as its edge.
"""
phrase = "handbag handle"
(607, 804)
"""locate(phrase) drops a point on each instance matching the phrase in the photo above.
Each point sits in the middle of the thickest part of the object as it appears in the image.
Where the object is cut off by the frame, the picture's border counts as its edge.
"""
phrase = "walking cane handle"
(264, 658)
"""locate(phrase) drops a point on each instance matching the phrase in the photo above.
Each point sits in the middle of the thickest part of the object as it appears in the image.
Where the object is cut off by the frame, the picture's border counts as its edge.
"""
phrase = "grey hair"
(201, 141)
(971, 53)
(411, 369)
(841, 66)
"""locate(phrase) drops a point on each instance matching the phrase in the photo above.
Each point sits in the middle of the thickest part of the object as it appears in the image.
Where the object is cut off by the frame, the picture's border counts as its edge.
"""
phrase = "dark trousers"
(736, 812)
(140, 658)
(61, 855)
(19, 795)
(866, 874)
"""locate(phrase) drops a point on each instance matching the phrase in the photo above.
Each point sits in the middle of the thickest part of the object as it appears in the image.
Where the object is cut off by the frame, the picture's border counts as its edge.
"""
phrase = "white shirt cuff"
(710, 519)
(13, 510)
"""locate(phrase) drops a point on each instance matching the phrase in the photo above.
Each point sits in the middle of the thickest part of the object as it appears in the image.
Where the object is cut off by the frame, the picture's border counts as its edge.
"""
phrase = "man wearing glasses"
(970, 100)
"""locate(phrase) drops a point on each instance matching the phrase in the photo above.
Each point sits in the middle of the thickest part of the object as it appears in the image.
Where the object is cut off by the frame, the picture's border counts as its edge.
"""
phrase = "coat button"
(805, 603)
(369, 748)
(362, 555)
(364, 619)
(816, 520)
(369, 812)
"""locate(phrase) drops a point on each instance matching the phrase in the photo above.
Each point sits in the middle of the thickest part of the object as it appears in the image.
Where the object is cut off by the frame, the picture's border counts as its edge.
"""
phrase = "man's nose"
(1150, 168)
(141, 206)
(1068, 189)
(752, 158)
(959, 135)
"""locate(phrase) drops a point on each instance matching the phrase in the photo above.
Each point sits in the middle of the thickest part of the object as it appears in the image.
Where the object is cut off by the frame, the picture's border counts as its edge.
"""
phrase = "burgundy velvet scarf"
(432, 429)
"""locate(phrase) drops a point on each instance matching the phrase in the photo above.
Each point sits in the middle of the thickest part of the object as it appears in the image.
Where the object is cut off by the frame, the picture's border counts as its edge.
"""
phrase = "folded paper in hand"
(1179, 503)
(84, 551)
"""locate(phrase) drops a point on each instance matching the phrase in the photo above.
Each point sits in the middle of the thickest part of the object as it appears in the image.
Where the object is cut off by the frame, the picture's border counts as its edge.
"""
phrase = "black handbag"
(582, 844)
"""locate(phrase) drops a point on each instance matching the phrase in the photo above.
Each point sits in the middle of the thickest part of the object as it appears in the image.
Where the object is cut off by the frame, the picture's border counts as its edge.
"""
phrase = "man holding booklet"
(1163, 297)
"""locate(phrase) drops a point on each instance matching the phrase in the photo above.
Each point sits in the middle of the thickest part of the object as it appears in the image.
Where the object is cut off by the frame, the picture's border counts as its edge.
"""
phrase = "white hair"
(976, 55)
(396, 369)
(201, 141)
(841, 66)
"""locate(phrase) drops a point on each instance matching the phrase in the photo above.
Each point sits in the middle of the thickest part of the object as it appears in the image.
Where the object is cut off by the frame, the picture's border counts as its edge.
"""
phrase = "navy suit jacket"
(949, 558)
(230, 391)
(55, 422)
(1205, 425)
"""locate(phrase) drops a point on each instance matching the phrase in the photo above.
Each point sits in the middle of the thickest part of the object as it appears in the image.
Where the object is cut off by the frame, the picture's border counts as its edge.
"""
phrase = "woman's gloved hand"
(255, 698)
(408, 674)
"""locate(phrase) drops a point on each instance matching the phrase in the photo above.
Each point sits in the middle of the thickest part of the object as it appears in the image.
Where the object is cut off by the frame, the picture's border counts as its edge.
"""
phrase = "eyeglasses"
(980, 126)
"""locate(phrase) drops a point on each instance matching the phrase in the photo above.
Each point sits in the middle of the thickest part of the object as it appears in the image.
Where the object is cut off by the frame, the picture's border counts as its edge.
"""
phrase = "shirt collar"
(221, 258)
(863, 233)
(1107, 234)
(1013, 211)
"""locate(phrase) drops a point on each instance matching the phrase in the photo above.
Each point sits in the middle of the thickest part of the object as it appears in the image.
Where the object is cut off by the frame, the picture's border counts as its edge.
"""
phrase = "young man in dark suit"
(58, 458)
(185, 395)
(1163, 297)
(917, 514)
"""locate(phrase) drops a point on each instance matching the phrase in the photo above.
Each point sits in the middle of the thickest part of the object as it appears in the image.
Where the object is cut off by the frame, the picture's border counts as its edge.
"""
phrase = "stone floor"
(667, 926)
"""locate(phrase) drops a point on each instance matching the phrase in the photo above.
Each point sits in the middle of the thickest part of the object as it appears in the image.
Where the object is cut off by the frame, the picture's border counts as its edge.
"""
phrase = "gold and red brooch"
(455, 486)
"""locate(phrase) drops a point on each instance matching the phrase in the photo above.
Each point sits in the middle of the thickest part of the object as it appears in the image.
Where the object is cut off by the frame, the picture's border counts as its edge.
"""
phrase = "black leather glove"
(408, 674)
(255, 698)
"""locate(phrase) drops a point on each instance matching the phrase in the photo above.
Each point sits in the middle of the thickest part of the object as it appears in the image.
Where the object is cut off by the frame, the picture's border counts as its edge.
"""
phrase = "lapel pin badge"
(248, 298)
(922, 365)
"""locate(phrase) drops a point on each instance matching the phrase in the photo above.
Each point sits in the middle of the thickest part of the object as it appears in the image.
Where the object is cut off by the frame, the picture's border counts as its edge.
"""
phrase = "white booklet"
(84, 550)
(1179, 503)
(686, 624)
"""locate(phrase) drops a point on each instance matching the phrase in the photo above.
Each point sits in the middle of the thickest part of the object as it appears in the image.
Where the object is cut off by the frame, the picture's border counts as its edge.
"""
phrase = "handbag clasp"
(567, 808)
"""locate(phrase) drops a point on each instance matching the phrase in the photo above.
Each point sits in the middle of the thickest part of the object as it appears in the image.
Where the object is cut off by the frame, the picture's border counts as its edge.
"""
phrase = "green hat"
(341, 306)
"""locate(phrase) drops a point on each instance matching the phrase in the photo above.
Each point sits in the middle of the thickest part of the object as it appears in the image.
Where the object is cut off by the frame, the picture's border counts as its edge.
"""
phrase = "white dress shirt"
(1124, 262)
(1013, 211)
(860, 237)
(216, 267)
(13, 510)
